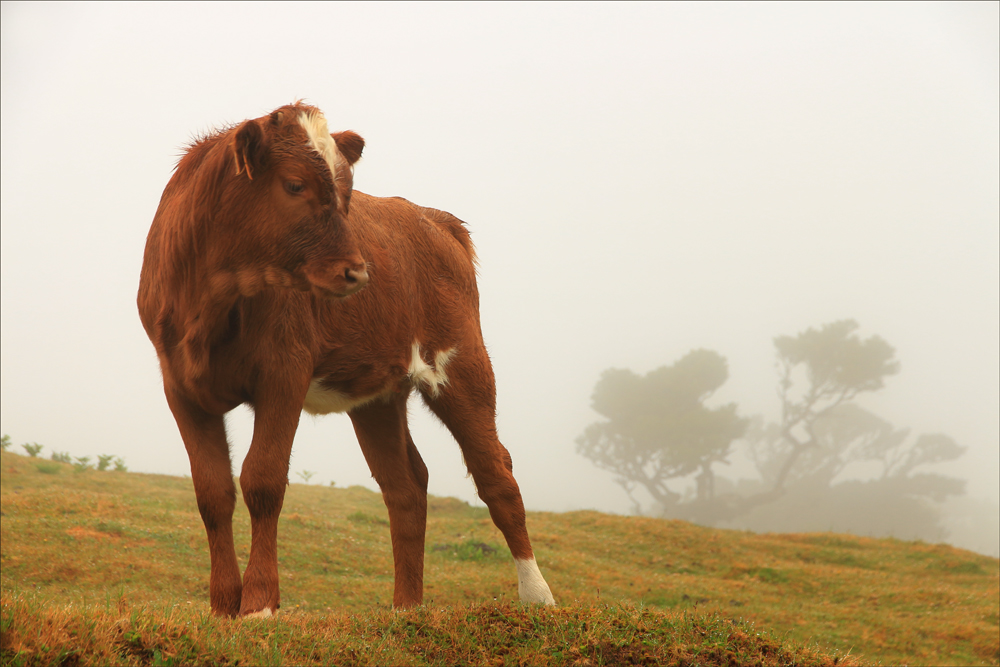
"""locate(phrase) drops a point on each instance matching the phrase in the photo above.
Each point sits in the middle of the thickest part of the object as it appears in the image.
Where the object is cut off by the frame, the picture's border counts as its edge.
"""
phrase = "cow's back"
(418, 256)
(422, 291)
(426, 233)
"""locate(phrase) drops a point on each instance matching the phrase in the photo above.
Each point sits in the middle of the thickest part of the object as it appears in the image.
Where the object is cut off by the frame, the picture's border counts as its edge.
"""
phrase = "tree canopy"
(658, 427)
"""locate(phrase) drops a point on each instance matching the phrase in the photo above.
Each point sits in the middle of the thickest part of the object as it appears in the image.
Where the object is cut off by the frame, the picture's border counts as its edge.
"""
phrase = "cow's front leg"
(263, 481)
(211, 471)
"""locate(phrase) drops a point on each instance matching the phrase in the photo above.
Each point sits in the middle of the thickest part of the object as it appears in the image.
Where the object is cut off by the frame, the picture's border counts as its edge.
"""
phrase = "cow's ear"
(350, 145)
(249, 146)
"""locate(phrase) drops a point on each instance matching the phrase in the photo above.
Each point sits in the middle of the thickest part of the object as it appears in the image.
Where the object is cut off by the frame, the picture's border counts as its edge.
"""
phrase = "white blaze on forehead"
(429, 377)
(531, 586)
(321, 141)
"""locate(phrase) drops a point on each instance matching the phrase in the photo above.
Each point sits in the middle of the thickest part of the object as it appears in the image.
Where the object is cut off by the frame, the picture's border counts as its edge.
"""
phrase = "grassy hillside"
(108, 567)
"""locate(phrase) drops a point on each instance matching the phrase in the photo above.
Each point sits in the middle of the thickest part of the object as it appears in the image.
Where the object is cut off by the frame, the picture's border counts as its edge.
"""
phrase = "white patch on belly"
(431, 378)
(323, 401)
(428, 377)
(531, 586)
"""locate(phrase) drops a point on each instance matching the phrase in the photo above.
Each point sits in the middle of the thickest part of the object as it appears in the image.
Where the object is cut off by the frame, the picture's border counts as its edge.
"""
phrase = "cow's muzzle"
(337, 279)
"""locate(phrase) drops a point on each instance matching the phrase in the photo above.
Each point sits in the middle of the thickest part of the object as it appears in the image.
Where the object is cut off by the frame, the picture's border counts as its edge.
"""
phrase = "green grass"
(118, 633)
(112, 568)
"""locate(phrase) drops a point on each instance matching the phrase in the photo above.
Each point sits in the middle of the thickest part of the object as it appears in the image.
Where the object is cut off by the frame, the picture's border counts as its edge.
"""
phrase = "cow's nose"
(356, 278)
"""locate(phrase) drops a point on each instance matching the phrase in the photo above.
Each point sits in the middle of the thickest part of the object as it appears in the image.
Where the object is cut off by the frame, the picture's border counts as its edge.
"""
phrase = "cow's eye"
(294, 187)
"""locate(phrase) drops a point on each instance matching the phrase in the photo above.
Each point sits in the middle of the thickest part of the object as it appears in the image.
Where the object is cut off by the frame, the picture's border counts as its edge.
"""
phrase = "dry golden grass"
(492, 634)
(133, 545)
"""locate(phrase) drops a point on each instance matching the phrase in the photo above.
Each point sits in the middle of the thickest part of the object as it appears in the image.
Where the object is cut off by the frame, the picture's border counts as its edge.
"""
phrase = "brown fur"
(251, 288)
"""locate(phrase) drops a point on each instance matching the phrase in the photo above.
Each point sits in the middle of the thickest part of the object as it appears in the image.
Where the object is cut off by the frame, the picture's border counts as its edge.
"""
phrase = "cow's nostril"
(356, 277)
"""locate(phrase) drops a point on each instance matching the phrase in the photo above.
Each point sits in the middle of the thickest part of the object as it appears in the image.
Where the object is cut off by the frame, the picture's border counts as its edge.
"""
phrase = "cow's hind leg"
(466, 403)
(204, 437)
(401, 474)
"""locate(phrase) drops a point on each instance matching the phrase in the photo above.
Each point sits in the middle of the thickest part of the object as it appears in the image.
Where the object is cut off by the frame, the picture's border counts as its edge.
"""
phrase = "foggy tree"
(837, 366)
(849, 435)
(844, 435)
(822, 432)
(659, 429)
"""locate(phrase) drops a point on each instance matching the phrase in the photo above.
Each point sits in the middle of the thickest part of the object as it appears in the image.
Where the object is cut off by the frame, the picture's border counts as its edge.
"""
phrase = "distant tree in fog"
(846, 435)
(820, 370)
(658, 427)
(898, 496)
(822, 433)
(658, 430)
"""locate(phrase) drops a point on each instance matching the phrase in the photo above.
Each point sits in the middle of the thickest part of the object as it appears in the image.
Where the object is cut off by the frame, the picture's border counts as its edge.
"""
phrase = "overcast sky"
(640, 180)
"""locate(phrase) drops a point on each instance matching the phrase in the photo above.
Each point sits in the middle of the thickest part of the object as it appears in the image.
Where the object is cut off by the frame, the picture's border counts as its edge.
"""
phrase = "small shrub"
(82, 463)
(471, 550)
(120, 464)
(48, 468)
(61, 457)
(769, 575)
(5, 442)
(32, 449)
(362, 517)
(306, 475)
(104, 460)
(111, 528)
(956, 567)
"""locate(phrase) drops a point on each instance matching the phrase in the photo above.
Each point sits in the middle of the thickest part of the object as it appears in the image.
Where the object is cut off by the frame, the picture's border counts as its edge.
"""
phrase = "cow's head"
(290, 193)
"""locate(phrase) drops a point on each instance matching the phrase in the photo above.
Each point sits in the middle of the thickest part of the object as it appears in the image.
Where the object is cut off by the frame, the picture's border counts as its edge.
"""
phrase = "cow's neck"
(209, 296)
(212, 293)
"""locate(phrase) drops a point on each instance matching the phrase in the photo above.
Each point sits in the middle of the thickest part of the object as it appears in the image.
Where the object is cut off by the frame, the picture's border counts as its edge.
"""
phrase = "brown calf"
(253, 290)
